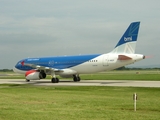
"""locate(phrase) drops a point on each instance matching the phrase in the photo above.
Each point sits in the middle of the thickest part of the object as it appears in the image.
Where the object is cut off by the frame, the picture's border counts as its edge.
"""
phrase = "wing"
(41, 67)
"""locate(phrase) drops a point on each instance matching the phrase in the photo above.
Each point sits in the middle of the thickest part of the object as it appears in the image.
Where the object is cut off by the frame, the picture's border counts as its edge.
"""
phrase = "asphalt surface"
(127, 83)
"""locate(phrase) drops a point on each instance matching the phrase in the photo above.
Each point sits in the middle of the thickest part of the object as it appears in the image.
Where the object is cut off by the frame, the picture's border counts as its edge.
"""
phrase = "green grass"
(27, 102)
(124, 75)
(154, 77)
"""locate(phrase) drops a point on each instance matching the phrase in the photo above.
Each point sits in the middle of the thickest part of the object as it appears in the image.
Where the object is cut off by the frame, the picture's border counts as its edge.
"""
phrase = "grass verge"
(23, 102)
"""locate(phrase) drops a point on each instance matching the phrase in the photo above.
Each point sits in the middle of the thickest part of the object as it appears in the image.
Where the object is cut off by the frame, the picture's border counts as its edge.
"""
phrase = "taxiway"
(127, 83)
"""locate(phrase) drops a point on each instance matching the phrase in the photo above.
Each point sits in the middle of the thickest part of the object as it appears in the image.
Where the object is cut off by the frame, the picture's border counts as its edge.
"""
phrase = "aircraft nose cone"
(15, 69)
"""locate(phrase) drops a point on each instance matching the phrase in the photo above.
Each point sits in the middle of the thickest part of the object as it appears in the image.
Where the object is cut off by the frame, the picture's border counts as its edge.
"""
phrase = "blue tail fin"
(127, 43)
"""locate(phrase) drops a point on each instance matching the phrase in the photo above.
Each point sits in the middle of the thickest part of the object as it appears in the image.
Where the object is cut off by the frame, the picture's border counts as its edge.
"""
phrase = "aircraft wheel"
(27, 80)
(57, 80)
(54, 80)
(76, 78)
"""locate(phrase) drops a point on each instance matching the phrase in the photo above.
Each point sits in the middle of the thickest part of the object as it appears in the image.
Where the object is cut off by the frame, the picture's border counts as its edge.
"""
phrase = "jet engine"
(67, 73)
(35, 75)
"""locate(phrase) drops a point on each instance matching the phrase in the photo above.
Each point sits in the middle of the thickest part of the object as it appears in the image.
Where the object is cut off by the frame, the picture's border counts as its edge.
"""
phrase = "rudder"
(127, 43)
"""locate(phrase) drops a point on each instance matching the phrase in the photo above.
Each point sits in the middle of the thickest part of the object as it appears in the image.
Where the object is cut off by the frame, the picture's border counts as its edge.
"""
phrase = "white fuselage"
(105, 62)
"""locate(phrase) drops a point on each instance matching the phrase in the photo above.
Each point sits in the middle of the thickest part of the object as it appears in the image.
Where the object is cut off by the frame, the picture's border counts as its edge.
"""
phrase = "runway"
(127, 83)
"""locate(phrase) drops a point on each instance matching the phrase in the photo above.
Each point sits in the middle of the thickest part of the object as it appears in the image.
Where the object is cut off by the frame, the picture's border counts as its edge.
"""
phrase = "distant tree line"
(6, 70)
(126, 68)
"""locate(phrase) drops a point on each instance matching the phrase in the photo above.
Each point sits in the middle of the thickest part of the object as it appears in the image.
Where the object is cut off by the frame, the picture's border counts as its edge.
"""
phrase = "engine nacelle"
(35, 75)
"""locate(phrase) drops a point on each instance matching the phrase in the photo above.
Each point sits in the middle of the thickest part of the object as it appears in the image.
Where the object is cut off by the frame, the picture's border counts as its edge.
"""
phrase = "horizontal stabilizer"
(123, 57)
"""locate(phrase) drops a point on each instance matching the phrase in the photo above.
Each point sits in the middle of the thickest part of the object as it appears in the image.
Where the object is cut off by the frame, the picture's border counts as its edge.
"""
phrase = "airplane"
(72, 66)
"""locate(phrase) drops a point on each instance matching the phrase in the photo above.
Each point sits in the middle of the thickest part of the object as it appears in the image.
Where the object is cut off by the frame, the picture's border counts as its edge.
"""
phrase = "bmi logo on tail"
(128, 39)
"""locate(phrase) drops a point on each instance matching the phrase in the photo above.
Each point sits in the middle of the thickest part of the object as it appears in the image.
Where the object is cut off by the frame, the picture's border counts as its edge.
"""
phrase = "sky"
(40, 28)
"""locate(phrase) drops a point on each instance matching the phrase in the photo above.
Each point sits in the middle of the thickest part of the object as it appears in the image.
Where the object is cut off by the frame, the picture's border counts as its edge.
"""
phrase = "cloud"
(51, 27)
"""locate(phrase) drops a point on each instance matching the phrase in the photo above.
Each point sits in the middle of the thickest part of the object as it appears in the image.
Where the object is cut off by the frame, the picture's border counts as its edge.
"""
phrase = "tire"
(27, 80)
(55, 80)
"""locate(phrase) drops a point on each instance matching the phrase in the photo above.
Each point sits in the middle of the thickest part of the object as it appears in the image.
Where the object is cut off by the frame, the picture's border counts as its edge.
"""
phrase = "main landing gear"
(76, 78)
(55, 80)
